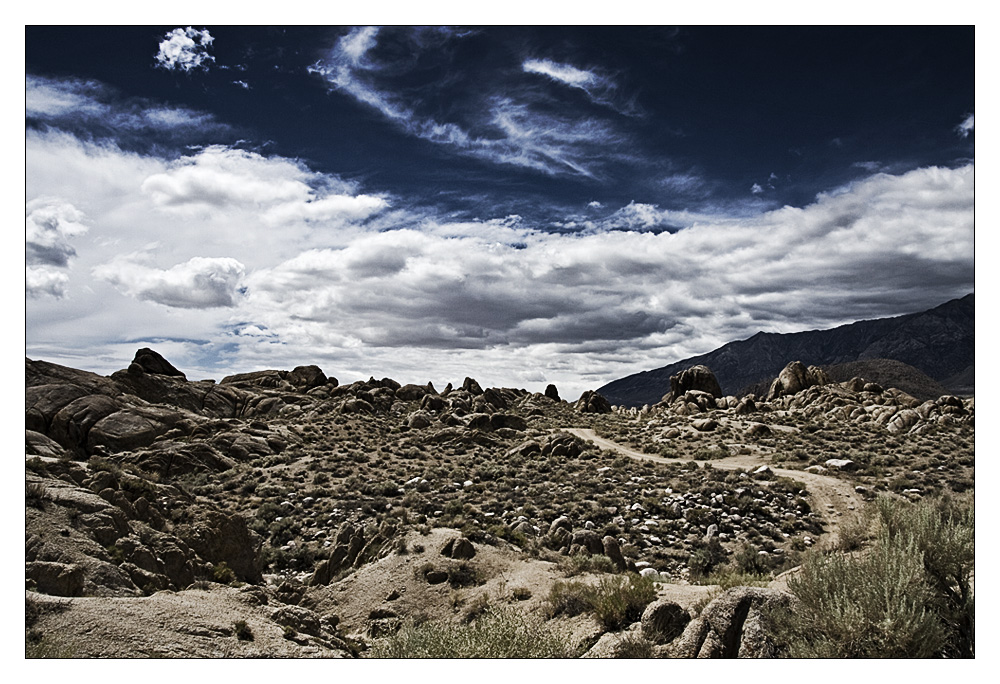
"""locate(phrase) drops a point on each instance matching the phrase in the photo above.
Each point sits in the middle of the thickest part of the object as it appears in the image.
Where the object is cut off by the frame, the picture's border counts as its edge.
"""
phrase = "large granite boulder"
(794, 378)
(694, 378)
(149, 361)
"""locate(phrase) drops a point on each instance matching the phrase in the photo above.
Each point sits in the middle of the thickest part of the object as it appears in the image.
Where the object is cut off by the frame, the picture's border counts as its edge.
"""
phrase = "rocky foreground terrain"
(280, 513)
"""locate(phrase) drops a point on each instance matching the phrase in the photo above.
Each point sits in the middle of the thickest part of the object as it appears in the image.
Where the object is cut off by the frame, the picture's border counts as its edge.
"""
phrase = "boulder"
(552, 393)
(589, 540)
(472, 387)
(149, 361)
(57, 579)
(305, 378)
(705, 425)
(411, 392)
(459, 548)
(592, 402)
(663, 621)
(220, 537)
(694, 378)
(613, 551)
(794, 378)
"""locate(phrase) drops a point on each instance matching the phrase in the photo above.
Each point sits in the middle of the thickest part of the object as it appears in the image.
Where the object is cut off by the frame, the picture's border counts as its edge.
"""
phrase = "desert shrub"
(242, 630)
(35, 494)
(614, 601)
(497, 633)
(464, 575)
(748, 560)
(618, 601)
(907, 596)
(223, 574)
(584, 562)
(630, 646)
(36, 465)
(706, 557)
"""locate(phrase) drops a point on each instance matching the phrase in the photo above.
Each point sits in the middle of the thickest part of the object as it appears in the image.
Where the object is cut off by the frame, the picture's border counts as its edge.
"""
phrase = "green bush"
(223, 574)
(615, 601)
(909, 595)
(497, 633)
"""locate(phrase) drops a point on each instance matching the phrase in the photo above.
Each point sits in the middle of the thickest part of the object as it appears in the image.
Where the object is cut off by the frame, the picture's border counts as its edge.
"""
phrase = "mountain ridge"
(940, 342)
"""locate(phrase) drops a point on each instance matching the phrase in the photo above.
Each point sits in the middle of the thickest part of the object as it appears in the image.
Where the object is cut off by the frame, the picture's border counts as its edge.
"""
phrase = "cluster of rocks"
(736, 624)
(351, 549)
(103, 532)
(810, 392)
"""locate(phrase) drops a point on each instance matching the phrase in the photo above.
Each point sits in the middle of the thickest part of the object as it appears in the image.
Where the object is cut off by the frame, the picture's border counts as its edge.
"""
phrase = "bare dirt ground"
(833, 498)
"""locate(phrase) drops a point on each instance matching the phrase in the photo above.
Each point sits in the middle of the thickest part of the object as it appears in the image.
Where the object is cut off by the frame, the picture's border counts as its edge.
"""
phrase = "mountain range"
(939, 342)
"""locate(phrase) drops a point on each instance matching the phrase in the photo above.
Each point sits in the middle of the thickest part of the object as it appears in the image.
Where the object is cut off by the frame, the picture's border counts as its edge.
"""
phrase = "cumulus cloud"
(220, 178)
(507, 130)
(967, 126)
(621, 296)
(185, 49)
(49, 224)
(198, 283)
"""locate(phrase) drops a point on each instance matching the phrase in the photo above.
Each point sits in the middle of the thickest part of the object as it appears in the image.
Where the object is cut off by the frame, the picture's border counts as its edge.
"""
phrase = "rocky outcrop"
(149, 361)
(698, 378)
(592, 402)
(733, 626)
(794, 378)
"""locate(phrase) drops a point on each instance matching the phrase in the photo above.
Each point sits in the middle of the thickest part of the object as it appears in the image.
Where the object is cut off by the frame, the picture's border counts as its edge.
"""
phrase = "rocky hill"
(939, 342)
(279, 513)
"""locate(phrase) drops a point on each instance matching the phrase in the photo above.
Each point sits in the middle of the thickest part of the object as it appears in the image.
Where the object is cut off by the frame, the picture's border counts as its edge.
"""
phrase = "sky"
(523, 205)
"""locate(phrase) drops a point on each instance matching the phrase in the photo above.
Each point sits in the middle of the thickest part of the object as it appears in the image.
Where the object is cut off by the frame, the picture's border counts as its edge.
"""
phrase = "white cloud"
(564, 73)
(967, 126)
(49, 224)
(220, 179)
(198, 283)
(756, 189)
(72, 104)
(599, 87)
(185, 49)
(261, 262)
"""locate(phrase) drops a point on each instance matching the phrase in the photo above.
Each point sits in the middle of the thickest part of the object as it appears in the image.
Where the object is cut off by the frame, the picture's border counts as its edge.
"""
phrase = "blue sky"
(521, 204)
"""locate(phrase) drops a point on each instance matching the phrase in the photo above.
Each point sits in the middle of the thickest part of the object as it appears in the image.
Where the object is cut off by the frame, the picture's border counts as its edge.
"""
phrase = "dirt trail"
(832, 498)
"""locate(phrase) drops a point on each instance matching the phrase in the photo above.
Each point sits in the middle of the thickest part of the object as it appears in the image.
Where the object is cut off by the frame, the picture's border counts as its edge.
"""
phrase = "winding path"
(834, 499)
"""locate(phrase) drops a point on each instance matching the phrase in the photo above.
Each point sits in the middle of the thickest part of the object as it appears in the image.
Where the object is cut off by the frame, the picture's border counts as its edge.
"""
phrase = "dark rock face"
(552, 393)
(663, 621)
(592, 402)
(151, 362)
(939, 342)
(306, 378)
(698, 378)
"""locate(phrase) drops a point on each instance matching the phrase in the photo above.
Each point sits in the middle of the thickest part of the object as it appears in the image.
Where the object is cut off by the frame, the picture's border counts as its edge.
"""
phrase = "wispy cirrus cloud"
(95, 110)
(600, 88)
(967, 126)
(497, 127)
(185, 49)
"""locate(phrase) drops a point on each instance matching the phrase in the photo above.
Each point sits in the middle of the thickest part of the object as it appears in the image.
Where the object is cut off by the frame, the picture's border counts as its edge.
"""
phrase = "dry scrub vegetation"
(330, 487)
